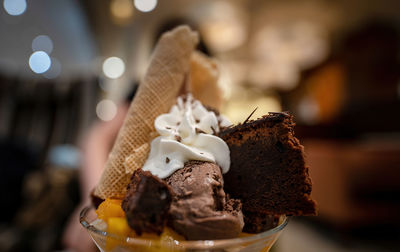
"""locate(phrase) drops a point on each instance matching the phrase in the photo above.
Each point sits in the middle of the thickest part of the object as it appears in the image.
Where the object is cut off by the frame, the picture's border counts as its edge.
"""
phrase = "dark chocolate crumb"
(198, 131)
(214, 131)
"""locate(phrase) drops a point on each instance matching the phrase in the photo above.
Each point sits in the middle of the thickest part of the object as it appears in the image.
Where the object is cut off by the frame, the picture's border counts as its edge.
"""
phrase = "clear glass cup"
(112, 242)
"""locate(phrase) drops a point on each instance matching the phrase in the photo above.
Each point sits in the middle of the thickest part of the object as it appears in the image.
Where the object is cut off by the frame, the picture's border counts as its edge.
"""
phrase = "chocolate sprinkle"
(214, 131)
(198, 131)
(245, 121)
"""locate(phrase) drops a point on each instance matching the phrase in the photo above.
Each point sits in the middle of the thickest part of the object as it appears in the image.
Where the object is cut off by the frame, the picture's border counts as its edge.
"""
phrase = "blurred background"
(68, 65)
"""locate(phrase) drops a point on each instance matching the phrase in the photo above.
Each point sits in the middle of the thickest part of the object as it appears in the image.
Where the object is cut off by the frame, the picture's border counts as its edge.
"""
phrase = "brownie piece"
(268, 172)
(257, 222)
(147, 203)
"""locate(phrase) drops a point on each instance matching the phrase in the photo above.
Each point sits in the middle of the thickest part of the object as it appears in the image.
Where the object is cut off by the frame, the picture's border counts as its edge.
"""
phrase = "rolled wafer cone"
(204, 76)
(157, 93)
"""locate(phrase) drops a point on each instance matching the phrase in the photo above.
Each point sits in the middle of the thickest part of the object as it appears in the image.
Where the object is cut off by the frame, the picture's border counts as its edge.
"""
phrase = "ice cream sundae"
(180, 171)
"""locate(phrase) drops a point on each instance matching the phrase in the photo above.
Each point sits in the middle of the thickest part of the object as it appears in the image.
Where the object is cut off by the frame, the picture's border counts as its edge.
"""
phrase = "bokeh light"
(224, 27)
(106, 110)
(14, 7)
(55, 69)
(145, 5)
(274, 74)
(39, 62)
(282, 50)
(121, 9)
(42, 43)
(113, 67)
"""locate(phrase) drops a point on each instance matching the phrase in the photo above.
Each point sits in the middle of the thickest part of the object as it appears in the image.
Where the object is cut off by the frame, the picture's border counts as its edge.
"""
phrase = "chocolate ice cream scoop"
(200, 208)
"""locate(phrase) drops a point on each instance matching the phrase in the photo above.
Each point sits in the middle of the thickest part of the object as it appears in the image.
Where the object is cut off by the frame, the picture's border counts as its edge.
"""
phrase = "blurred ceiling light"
(145, 5)
(223, 27)
(299, 42)
(282, 50)
(14, 7)
(313, 42)
(106, 110)
(39, 62)
(42, 43)
(224, 35)
(121, 9)
(54, 70)
(113, 67)
(280, 75)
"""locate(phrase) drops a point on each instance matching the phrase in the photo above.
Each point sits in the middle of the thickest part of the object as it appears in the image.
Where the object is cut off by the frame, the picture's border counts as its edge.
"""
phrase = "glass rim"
(186, 244)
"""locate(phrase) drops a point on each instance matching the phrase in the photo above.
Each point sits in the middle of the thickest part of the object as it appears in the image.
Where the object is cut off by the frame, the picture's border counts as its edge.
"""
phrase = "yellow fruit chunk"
(117, 226)
(110, 208)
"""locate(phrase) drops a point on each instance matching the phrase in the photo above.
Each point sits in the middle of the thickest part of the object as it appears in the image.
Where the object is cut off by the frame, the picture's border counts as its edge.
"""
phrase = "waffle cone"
(157, 93)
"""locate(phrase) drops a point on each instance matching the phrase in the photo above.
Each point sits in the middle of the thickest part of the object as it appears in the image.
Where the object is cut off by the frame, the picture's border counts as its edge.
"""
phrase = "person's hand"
(75, 237)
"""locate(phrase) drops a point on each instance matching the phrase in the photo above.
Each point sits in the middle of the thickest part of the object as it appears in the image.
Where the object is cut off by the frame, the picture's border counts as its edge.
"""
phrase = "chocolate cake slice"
(147, 203)
(257, 222)
(268, 172)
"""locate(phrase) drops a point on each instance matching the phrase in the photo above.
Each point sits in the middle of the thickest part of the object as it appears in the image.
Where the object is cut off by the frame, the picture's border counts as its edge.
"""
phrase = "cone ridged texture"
(156, 94)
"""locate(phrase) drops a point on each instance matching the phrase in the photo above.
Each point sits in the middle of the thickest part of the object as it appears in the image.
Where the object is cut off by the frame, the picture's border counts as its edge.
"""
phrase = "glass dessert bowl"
(111, 242)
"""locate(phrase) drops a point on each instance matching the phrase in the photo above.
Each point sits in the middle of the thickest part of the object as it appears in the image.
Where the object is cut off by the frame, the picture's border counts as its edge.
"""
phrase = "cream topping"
(186, 133)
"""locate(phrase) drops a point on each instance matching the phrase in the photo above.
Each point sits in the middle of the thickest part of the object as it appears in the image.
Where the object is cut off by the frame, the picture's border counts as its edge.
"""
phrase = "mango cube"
(110, 208)
(111, 212)
(118, 226)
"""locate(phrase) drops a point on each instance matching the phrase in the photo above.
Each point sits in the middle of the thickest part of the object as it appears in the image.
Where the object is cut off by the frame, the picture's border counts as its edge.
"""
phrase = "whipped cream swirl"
(186, 133)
